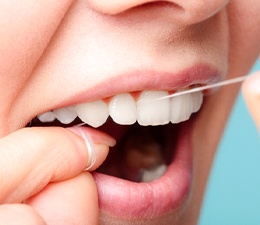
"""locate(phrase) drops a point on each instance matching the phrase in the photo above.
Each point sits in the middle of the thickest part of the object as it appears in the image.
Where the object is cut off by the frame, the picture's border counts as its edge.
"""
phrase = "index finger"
(251, 91)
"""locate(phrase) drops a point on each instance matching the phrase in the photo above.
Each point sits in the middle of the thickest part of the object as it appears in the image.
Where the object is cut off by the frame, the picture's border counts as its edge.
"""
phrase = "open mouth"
(148, 174)
(149, 168)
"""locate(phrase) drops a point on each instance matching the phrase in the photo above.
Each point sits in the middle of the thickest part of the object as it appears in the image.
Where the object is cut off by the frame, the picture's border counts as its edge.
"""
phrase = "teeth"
(149, 175)
(153, 112)
(65, 115)
(197, 99)
(181, 108)
(94, 113)
(47, 117)
(122, 109)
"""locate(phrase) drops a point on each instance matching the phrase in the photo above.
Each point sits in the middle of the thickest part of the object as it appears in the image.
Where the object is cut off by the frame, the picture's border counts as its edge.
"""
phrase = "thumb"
(22, 214)
(33, 157)
(73, 201)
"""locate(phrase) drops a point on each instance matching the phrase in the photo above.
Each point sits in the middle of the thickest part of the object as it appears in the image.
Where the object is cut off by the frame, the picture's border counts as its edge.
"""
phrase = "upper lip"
(146, 80)
(138, 80)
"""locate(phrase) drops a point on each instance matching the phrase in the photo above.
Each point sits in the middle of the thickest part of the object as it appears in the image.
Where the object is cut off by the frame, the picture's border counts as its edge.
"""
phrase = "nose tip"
(185, 11)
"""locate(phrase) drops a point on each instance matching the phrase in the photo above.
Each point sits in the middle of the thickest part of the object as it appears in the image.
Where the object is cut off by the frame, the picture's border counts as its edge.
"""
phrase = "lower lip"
(124, 199)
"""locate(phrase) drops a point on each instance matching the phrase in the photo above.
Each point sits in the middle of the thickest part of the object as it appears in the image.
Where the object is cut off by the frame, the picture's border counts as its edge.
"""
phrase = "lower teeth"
(154, 173)
(140, 155)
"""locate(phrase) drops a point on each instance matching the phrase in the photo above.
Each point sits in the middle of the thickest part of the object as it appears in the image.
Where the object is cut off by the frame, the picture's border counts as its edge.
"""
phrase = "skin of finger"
(33, 157)
(251, 91)
(13, 214)
(73, 201)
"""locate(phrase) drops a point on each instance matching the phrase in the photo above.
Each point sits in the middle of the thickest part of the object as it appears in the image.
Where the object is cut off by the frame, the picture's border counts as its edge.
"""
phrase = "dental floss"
(219, 84)
(90, 147)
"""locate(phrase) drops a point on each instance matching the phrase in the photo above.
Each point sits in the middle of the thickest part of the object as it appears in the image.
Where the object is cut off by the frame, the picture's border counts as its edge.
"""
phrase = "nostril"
(168, 4)
(119, 6)
(181, 12)
(162, 4)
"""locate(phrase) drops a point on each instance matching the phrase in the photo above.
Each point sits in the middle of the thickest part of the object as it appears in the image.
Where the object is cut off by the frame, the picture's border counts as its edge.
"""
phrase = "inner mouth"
(142, 153)
(146, 136)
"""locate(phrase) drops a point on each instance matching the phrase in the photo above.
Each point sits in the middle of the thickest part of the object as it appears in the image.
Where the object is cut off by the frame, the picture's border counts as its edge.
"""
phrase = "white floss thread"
(91, 148)
(219, 84)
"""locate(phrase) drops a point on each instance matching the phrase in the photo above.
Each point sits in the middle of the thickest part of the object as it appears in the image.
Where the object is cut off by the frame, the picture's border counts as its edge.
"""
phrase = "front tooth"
(151, 112)
(197, 99)
(94, 113)
(181, 108)
(122, 109)
(65, 115)
(47, 117)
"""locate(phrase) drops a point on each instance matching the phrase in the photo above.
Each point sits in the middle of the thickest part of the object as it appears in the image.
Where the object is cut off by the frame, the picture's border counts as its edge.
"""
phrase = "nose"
(186, 11)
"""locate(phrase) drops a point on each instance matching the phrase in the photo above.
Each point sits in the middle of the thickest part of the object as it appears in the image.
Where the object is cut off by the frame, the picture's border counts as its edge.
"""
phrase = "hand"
(42, 180)
(251, 91)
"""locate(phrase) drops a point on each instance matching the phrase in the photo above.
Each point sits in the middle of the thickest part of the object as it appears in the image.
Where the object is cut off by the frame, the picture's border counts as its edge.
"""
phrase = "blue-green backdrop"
(233, 193)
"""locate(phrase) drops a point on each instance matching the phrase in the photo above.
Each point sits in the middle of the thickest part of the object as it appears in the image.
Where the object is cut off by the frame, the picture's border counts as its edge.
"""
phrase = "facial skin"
(57, 54)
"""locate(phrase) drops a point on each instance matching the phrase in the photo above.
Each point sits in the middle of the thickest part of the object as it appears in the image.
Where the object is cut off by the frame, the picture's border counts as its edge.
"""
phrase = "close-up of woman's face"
(102, 63)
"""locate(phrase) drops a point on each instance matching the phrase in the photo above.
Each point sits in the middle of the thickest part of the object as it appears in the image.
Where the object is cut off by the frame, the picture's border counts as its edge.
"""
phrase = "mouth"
(148, 173)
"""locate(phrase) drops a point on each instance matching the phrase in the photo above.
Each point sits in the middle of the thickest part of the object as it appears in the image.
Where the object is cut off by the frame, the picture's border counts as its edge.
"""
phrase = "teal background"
(233, 193)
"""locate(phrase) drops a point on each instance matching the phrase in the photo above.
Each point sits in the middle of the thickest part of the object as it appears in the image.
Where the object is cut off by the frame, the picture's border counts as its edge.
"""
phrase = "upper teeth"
(122, 109)
(93, 113)
(125, 110)
(153, 112)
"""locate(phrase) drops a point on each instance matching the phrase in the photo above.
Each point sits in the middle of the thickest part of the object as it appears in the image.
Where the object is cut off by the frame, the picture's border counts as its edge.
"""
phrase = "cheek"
(244, 34)
(244, 49)
(24, 35)
(207, 133)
